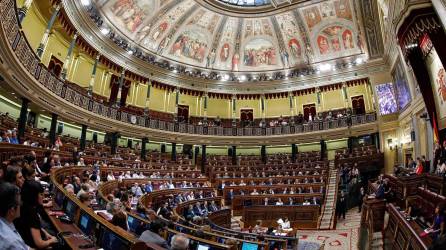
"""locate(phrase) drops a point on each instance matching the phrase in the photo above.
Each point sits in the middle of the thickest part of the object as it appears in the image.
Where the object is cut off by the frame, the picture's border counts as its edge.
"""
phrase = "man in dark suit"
(341, 207)
(189, 212)
(231, 194)
(212, 207)
(197, 209)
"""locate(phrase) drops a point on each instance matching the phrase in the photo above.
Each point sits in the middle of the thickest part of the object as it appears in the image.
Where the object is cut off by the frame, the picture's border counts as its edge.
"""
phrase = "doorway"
(246, 117)
(183, 113)
(309, 109)
(358, 105)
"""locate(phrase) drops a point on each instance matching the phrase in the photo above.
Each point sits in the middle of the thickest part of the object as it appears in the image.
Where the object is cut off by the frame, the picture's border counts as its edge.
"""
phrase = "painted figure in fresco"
(441, 81)
(136, 20)
(161, 28)
(224, 53)
(327, 10)
(348, 39)
(235, 62)
(336, 44)
(163, 44)
(188, 45)
(142, 34)
(285, 59)
(121, 6)
(312, 16)
(210, 60)
(259, 52)
(323, 45)
(343, 9)
(294, 48)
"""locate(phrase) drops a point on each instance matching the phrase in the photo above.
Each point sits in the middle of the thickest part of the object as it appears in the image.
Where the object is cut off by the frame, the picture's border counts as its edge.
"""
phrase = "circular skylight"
(247, 2)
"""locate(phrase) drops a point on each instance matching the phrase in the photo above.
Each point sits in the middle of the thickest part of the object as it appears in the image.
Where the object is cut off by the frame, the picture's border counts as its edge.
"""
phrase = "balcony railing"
(31, 62)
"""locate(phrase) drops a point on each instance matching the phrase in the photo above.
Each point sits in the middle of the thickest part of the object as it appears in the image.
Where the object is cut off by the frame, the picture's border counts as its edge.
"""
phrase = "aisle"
(345, 237)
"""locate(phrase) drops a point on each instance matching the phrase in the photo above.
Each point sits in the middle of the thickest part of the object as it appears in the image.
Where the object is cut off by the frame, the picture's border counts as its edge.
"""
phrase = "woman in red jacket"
(419, 168)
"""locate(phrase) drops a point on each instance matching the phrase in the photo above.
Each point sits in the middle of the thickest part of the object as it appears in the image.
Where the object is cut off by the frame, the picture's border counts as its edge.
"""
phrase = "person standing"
(342, 205)
(361, 198)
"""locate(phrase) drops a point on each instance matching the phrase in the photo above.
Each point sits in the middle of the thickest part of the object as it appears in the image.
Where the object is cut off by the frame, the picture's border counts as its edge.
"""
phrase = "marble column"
(48, 29)
(22, 119)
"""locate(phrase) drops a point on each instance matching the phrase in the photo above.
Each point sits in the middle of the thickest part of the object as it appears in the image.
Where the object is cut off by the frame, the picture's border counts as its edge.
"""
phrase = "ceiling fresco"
(186, 32)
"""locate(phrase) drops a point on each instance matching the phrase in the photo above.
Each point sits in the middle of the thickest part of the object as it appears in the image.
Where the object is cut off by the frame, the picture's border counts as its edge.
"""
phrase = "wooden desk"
(300, 216)
(74, 240)
(405, 234)
(239, 200)
(221, 218)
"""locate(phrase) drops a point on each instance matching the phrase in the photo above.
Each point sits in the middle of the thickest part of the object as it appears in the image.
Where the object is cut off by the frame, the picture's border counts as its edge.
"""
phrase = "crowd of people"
(299, 119)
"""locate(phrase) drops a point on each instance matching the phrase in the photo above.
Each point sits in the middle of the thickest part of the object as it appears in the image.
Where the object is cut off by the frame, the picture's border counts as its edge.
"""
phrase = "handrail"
(26, 59)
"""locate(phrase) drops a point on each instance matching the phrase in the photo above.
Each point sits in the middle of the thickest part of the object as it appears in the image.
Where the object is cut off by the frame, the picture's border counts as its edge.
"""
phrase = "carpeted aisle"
(345, 236)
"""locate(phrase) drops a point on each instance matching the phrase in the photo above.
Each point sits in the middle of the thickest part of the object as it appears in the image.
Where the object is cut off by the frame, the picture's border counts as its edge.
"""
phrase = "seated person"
(29, 225)
(279, 202)
(438, 225)
(155, 234)
(286, 224)
(9, 211)
(120, 219)
(413, 209)
(258, 227)
(212, 207)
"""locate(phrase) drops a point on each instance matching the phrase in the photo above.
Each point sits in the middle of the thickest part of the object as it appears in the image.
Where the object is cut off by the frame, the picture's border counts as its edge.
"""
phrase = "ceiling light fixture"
(359, 60)
(105, 31)
(85, 2)
(324, 67)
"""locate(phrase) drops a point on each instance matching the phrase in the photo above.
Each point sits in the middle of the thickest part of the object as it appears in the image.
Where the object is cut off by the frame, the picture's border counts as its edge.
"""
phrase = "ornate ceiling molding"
(92, 35)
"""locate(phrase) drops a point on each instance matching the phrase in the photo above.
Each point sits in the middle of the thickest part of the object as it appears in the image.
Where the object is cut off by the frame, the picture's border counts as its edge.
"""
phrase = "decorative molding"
(369, 10)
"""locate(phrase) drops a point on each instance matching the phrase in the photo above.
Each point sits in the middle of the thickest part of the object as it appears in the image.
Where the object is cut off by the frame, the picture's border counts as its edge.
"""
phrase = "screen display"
(386, 98)
(70, 209)
(111, 241)
(59, 197)
(133, 223)
(84, 224)
(249, 246)
(202, 247)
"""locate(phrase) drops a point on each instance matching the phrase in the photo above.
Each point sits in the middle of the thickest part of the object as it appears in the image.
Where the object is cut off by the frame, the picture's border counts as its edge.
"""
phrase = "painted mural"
(183, 30)
(225, 47)
(259, 52)
(292, 37)
(191, 45)
(401, 86)
(131, 14)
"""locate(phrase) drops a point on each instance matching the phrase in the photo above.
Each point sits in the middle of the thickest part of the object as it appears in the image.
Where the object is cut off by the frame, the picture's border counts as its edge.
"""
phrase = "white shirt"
(286, 225)
(110, 177)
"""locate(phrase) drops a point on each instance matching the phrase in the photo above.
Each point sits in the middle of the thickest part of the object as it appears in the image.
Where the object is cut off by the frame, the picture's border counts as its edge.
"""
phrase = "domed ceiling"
(202, 33)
